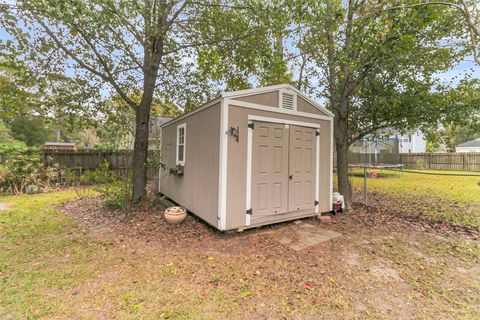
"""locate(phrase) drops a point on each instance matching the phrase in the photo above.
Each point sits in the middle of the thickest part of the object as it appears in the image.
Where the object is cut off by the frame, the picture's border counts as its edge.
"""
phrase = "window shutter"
(287, 101)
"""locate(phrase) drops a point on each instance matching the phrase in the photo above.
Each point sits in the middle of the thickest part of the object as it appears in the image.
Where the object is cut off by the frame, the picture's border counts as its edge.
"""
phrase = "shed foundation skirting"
(277, 218)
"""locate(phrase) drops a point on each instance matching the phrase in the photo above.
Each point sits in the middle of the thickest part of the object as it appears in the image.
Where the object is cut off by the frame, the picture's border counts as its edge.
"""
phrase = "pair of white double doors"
(283, 168)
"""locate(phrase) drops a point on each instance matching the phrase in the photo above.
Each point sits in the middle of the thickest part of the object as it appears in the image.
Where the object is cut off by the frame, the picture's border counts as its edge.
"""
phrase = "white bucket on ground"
(337, 197)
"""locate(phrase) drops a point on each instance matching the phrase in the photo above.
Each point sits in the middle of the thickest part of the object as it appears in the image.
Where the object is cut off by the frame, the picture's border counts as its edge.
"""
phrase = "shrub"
(101, 175)
(117, 194)
(22, 168)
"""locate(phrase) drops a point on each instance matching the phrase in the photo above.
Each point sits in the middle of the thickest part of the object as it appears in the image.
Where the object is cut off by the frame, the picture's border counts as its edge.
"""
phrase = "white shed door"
(269, 168)
(301, 191)
(283, 168)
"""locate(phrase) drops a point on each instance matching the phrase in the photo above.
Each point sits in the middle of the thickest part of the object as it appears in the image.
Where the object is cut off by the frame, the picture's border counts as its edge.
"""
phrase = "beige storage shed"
(249, 158)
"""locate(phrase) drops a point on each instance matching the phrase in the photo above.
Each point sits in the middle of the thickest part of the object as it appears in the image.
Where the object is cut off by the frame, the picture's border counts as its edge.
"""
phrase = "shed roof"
(470, 144)
(60, 144)
(157, 121)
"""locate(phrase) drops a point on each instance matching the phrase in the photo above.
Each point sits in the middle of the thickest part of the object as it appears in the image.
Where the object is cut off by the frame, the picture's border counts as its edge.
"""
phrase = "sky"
(467, 68)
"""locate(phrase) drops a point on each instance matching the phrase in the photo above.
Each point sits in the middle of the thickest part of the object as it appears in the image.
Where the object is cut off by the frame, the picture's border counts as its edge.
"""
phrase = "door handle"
(290, 177)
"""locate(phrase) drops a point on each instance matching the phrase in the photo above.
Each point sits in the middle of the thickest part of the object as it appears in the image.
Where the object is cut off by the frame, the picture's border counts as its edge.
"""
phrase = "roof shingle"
(471, 143)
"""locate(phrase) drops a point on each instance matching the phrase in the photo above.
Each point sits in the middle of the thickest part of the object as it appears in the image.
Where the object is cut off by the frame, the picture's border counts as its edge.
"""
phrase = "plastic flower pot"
(175, 215)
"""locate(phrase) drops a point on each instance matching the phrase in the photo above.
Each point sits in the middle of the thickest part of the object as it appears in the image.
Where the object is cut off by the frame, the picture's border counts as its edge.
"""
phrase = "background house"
(469, 146)
(154, 133)
(60, 146)
(412, 142)
(392, 141)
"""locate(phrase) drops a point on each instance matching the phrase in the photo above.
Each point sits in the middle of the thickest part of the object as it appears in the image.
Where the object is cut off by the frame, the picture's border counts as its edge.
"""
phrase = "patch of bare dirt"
(146, 224)
(4, 206)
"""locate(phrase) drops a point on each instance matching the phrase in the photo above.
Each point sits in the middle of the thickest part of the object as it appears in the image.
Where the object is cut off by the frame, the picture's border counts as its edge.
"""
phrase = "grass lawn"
(438, 197)
(52, 267)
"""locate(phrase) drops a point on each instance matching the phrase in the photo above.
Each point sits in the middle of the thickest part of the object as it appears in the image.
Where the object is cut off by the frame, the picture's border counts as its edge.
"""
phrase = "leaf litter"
(387, 264)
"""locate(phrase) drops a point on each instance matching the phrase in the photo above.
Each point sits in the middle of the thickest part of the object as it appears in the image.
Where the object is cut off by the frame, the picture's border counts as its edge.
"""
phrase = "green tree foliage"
(117, 126)
(38, 104)
(5, 136)
(34, 131)
(264, 59)
(467, 13)
(379, 67)
(125, 45)
(372, 63)
(462, 121)
(16, 82)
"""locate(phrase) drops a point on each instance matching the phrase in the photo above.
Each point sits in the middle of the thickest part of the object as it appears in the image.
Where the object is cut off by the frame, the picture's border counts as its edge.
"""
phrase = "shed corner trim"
(222, 170)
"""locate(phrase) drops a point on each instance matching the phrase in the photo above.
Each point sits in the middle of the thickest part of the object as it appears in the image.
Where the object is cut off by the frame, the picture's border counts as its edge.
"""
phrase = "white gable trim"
(256, 106)
(198, 109)
(235, 94)
(248, 92)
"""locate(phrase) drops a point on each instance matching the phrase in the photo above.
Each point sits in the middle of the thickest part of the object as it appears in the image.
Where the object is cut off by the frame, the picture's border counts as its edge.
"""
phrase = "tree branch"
(473, 30)
(84, 65)
(182, 46)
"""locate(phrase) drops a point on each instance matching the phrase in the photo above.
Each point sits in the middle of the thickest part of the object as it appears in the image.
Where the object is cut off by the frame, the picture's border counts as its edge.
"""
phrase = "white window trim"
(180, 126)
(280, 98)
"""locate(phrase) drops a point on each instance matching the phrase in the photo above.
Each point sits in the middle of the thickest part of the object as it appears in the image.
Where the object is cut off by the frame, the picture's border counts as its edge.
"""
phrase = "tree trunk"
(140, 147)
(342, 145)
(342, 173)
(339, 106)
(140, 151)
(58, 127)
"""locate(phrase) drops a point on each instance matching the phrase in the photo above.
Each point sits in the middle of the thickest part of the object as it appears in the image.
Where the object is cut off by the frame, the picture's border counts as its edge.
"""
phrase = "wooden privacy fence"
(442, 161)
(79, 161)
(121, 160)
(434, 161)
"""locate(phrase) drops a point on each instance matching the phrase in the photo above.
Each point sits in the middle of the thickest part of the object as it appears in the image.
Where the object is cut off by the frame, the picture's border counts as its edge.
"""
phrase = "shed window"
(181, 134)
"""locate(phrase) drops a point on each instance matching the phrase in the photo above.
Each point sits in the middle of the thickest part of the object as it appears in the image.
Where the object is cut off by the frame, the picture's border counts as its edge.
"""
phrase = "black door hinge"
(317, 133)
(316, 202)
(249, 211)
(251, 125)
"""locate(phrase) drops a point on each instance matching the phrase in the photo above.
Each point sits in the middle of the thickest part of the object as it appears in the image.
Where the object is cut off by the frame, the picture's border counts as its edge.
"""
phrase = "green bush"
(22, 170)
(101, 175)
(70, 178)
(116, 192)
(117, 195)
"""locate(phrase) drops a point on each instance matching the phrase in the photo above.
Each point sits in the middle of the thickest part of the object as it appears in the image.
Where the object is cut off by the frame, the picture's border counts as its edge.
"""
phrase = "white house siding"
(467, 149)
(412, 143)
